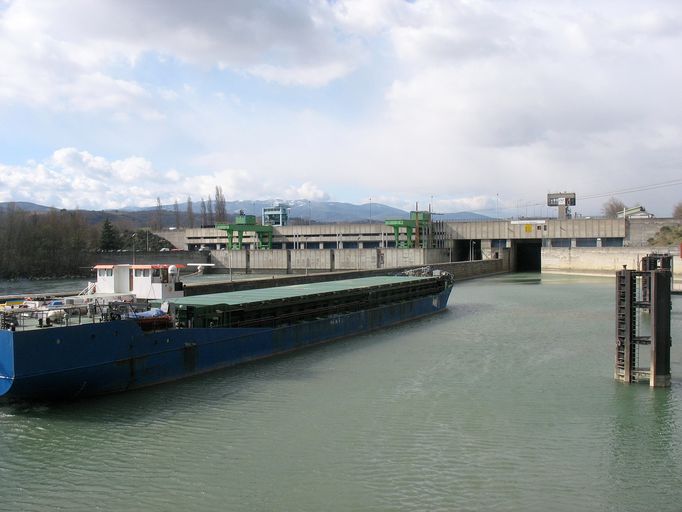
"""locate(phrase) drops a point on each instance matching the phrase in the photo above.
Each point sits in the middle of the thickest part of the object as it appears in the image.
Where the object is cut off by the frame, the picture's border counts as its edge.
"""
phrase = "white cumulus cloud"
(307, 190)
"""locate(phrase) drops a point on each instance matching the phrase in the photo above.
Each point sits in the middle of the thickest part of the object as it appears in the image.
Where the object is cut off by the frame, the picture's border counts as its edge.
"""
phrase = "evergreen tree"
(109, 238)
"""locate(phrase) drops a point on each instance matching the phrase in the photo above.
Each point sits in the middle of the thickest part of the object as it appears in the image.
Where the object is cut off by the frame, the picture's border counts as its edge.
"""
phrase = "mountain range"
(324, 212)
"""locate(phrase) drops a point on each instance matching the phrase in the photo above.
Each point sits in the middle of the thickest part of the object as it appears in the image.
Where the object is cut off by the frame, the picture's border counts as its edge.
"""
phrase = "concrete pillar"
(486, 249)
(659, 375)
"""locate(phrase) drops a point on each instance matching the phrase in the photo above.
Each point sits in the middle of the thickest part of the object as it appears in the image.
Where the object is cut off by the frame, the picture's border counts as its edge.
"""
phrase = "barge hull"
(77, 361)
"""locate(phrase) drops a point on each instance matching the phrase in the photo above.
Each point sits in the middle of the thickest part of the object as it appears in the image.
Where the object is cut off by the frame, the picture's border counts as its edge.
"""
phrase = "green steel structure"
(247, 224)
(419, 224)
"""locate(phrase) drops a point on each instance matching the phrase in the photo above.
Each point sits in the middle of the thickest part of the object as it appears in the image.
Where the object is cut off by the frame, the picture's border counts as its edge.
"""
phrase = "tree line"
(60, 243)
(54, 243)
(212, 210)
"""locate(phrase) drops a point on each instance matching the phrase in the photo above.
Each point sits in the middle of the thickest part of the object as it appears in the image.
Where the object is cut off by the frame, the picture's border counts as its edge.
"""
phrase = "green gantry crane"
(417, 227)
(244, 224)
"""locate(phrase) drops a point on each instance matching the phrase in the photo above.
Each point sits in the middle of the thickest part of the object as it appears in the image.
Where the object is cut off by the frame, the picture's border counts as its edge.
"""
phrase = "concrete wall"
(527, 229)
(150, 258)
(311, 259)
(355, 259)
(636, 232)
(267, 260)
(461, 270)
(601, 260)
(293, 260)
(471, 269)
(640, 230)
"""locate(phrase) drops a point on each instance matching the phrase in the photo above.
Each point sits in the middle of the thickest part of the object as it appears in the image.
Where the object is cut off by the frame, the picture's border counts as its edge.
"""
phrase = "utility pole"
(133, 238)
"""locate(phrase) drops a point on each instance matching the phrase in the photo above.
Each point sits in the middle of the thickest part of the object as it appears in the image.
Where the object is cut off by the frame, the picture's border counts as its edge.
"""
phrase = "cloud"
(311, 76)
(72, 177)
(82, 56)
(307, 190)
(455, 99)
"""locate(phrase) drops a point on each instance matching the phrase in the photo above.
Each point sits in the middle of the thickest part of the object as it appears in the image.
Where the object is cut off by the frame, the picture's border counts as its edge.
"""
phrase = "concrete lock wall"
(311, 259)
(391, 258)
(351, 259)
(275, 259)
(606, 260)
(224, 259)
(149, 258)
(470, 269)
(293, 260)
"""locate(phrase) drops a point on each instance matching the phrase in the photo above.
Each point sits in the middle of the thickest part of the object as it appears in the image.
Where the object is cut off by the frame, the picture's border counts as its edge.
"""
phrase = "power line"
(580, 197)
(635, 189)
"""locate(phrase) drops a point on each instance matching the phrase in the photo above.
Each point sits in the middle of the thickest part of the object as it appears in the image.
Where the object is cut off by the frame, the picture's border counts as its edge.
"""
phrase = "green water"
(504, 402)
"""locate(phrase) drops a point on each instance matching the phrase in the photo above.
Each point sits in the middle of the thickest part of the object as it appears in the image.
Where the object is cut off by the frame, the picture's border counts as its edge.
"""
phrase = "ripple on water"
(505, 402)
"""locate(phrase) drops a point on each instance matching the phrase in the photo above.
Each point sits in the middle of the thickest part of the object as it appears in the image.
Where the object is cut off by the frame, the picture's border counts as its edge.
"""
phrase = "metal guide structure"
(643, 308)
(243, 224)
(418, 225)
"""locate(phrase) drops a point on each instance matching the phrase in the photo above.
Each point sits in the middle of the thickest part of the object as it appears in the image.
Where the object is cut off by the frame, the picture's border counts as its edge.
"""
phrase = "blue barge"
(118, 352)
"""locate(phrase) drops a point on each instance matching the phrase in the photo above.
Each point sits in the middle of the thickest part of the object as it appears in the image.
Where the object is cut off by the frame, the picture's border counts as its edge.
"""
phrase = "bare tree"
(204, 218)
(677, 211)
(158, 217)
(176, 210)
(220, 206)
(209, 208)
(613, 207)
(190, 212)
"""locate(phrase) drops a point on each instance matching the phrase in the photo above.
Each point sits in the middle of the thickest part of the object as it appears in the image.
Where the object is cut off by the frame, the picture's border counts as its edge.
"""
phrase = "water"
(505, 402)
(40, 286)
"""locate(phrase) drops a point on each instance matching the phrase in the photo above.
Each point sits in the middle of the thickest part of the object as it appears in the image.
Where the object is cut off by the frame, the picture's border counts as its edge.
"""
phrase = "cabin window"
(110, 272)
(101, 272)
(141, 272)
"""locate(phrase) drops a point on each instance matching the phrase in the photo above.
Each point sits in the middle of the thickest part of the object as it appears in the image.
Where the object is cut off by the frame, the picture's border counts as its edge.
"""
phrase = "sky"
(469, 105)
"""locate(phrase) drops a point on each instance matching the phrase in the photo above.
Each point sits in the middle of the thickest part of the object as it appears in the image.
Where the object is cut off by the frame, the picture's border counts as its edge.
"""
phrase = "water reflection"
(645, 446)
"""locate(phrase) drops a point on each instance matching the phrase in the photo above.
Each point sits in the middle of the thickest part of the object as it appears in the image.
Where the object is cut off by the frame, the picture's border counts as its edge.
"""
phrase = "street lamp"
(133, 239)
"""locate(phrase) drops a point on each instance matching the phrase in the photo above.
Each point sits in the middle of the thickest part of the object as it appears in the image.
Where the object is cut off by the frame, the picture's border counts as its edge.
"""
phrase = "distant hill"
(324, 212)
(29, 207)
(463, 216)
